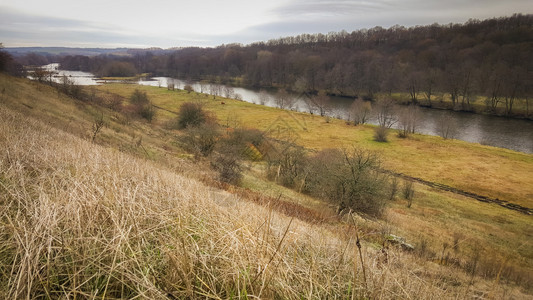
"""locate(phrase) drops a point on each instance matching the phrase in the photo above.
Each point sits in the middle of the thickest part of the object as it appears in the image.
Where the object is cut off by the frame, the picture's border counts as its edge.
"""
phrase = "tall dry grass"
(79, 221)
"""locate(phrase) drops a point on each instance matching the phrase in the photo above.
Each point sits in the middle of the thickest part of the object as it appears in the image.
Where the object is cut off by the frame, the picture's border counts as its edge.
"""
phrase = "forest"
(486, 62)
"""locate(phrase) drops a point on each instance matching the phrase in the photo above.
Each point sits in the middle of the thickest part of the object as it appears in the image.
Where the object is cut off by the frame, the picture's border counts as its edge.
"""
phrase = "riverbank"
(504, 132)
(484, 170)
(510, 133)
(516, 108)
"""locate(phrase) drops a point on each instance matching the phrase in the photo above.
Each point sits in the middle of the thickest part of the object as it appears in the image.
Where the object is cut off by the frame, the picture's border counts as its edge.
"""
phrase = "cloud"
(323, 16)
(323, 8)
(166, 23)
(21, 29)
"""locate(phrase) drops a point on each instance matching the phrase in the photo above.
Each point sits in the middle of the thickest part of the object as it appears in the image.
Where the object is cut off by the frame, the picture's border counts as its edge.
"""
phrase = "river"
(514, 134)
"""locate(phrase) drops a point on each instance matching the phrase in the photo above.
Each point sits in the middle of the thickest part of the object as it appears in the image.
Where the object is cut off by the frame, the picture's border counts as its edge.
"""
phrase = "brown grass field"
(128, 216)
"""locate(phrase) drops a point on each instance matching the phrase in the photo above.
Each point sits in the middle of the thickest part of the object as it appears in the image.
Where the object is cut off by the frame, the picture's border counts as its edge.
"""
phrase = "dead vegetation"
(79, 220)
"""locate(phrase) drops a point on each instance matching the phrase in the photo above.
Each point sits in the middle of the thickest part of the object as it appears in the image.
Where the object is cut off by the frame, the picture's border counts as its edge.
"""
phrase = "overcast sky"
(176, 23)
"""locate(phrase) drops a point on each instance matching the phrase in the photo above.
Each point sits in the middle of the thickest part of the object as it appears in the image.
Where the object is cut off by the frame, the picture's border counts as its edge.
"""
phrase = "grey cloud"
(337, 7)
(295, 17)
(23, 29)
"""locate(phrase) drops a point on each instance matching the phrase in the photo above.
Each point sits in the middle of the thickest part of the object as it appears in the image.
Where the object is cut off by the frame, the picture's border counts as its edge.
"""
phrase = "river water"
(514, 134)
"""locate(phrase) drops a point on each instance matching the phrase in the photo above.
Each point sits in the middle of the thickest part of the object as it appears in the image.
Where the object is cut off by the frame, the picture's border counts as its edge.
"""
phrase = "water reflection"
(495, 131)
(489, 130)
(77, 77)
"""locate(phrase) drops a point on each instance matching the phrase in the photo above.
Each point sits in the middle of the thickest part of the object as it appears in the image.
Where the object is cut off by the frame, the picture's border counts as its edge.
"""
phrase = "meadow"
(132, 214)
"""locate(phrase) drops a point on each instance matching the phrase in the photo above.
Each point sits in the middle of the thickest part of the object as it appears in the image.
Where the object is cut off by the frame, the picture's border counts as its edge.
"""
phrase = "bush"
(408, 192)
(201, 140)
(350, 179)
(287, 164)
(393, 187)
(192, 115)
(141, 105)
(236, 145)
(246, 143)
(139, 97)
(380, 134)
(188, 88)
(229, 167)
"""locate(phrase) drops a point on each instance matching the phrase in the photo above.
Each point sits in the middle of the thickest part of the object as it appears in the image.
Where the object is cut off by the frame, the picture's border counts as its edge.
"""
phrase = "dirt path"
(443, 187)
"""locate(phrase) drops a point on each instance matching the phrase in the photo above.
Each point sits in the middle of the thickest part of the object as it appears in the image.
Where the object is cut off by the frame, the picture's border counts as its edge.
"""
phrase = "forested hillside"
(483, 63)
(490, 58)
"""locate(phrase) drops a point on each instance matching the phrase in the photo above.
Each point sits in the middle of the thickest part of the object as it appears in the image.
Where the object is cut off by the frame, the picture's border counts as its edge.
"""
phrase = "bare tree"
(408, 120)
(429, 84)
(41, 74)
(263, 97)
(320, 103)
(188, 88)
(284, 100)
(360, 111)
(386, 112)
(413, 85)
(170, 84)
(386, 117)
(447, 126)
(229, 92)
(203, 86)
(215, 90)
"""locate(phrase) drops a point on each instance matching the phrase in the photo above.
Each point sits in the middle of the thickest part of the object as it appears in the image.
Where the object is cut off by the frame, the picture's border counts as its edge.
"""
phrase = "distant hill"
(18, 51)
(63, 51)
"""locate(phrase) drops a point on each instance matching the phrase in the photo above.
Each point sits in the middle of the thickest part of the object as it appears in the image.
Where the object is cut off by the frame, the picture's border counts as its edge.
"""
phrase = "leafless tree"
(170, 84)
(447, 126)
(263, 97)
(386, 117)
(203, 86)
(215, 90)
(284, 100)
(188, 88)
(385, 109)
(408, 117)
(41, 74)
(229, 92)
(360, 111)
(320, 103)
(429, 82)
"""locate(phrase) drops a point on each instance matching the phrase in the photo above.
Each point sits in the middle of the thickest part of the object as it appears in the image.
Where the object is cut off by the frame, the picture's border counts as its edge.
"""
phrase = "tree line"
(487, 63)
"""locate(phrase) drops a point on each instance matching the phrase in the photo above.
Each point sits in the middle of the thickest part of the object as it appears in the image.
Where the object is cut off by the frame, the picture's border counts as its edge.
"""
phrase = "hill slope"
(84, 220)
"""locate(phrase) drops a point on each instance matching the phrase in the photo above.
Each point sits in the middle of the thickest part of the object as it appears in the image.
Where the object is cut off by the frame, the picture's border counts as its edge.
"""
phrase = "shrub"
(236, 145)
(380, 134)
(245, 142)
(350, 179)
(229, 167)
(139, 97)
(447, 127)
(287, 164)
(393, 187)
(201, 140)
(188, 88)
(192, 115)
(141, 105)
(408, 192)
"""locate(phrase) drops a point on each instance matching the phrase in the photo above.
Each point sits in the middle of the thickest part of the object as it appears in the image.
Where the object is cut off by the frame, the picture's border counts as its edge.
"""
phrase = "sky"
(208, 23)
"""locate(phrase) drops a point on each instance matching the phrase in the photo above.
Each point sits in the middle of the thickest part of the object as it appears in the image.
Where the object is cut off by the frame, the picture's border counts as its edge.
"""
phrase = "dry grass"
(78, 220)
(485, 170)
